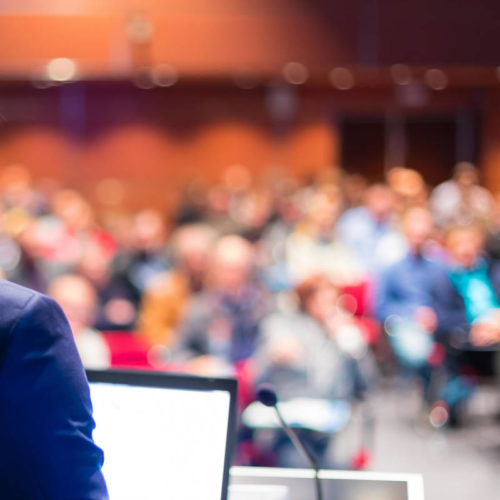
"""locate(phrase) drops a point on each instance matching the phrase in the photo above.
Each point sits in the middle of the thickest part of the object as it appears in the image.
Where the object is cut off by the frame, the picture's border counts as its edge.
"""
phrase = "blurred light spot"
(412, 95)
(295, 73)
(401, 74)
(498, 72)
(61, 69)
(439, 414)
(143, 78)
(436, 79)
(158, 356)
(41, 84)
(347, 303)
(390, 324)
(164, 75)
(341, 78)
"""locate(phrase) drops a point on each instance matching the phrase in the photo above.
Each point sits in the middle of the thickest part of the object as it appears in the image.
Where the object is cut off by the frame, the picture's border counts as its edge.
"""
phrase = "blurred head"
(78, 299)
(465, 244)
(149, 230)
(465, 174)
(232, 263)
(72, 208)
(95, 263)
(317, 297)
(191, 246)
(408, 187)
(417, 226)
(255, 208)
(354, 188)
(15, 181)
(323, 209)
(219, 200)
(237, 178)
(379, 199)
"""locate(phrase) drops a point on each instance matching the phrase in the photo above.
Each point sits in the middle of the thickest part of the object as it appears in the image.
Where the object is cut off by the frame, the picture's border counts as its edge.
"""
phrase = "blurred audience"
(313, 247)
(467, 296)
(461, 200)
(78, 299)
(221, 323)
(467, 302)
(370, 230)
(273, 270)
(165, 299)
(316, 351)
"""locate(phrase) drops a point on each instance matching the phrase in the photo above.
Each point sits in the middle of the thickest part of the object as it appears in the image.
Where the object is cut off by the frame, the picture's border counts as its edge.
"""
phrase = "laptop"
(164, 436)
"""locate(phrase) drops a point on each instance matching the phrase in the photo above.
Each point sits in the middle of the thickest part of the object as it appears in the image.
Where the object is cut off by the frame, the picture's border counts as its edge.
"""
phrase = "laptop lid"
(164, 435)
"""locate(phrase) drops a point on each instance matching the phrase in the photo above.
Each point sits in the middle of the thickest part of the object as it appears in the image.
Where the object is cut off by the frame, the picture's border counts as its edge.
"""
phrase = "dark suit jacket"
(46, 447)
(453, 326)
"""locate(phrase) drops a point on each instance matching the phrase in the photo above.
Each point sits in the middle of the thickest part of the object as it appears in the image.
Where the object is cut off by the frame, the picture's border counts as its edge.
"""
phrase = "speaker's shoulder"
(13, 299)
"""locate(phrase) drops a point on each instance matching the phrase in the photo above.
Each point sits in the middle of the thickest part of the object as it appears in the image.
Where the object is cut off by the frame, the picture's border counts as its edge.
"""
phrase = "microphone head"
(267, 395)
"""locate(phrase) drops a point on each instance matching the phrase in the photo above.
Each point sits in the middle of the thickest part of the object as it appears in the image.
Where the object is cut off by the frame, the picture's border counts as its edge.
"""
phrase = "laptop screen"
(164, 436)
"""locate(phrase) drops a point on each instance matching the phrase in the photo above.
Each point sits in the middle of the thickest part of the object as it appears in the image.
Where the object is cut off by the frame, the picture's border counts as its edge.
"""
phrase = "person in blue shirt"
(404, 302)
(368, 231)
(46, 446)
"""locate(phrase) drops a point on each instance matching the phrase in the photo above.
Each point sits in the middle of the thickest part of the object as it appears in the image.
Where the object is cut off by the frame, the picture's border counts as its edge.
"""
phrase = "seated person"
(404, 298)
(165, 299)
(313, 248)
(220, 325)
(461, 200)
(316, 352)
(312, 352)
(78, 299)
(467, 295)
(368, 231)
(467, 303)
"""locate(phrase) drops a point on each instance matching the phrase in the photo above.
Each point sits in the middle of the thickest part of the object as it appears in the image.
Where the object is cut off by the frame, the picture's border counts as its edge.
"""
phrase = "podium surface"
(298, 484)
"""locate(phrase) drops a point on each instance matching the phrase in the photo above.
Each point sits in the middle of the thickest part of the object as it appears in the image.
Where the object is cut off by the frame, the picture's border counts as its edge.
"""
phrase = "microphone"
(268, 397)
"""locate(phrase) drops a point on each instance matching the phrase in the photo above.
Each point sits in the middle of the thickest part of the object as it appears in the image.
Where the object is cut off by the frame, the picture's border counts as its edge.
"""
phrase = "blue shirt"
(363, 234)
(405, 286)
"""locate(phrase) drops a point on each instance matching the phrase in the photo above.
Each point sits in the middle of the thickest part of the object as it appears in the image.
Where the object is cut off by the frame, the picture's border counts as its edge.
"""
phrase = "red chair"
(358, 300)
(128, 350)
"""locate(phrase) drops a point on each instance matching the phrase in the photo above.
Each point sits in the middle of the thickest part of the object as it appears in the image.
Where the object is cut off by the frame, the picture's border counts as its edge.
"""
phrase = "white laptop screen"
(162, 442)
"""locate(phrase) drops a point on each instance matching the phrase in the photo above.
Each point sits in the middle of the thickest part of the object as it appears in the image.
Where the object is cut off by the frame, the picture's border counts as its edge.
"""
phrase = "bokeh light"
(164, 75)
(295, 73)
(401, 74)
(436, 79)
(61, 69)
(341, 78)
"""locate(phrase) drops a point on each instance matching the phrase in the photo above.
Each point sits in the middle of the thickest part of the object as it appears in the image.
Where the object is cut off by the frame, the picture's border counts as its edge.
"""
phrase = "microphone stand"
(268, 397)
(299, 446)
